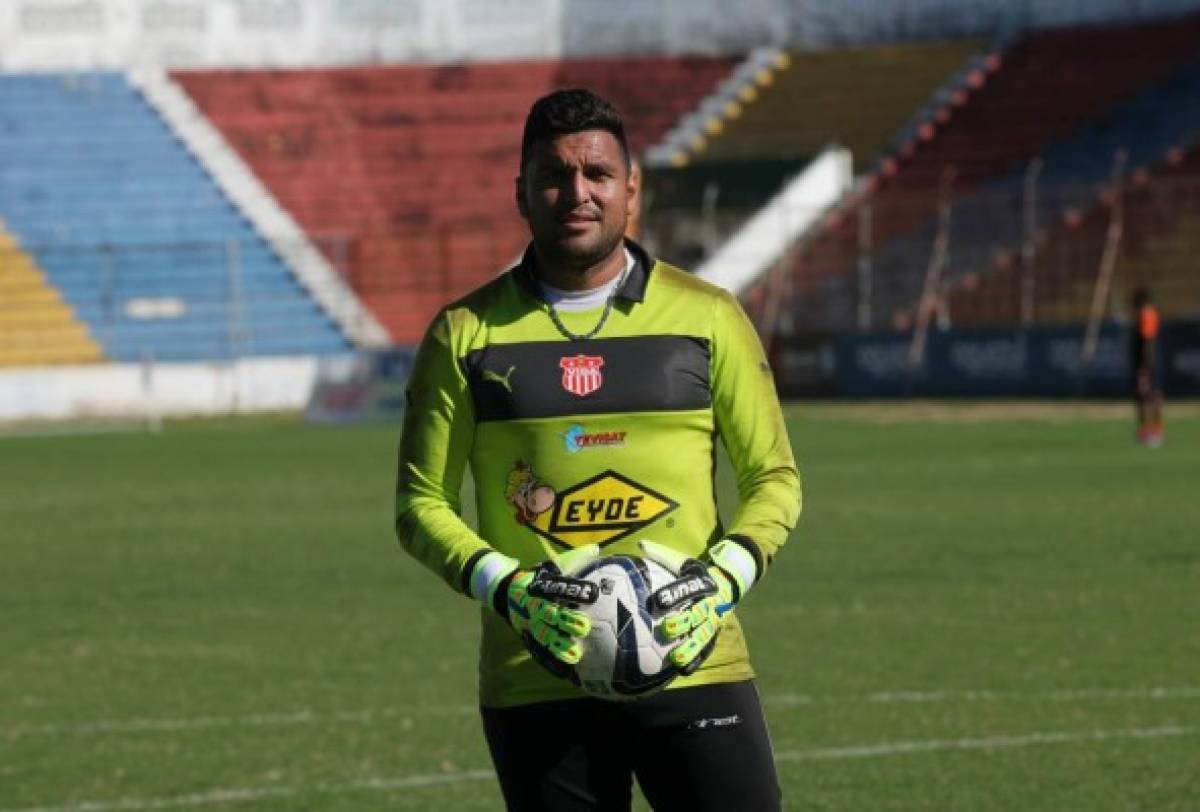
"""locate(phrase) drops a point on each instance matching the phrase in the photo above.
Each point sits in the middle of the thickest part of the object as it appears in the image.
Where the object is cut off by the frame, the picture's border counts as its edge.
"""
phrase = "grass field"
(980, 610)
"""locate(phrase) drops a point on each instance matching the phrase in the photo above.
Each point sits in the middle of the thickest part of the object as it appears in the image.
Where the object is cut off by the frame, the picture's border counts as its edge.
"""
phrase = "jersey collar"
(633, 289)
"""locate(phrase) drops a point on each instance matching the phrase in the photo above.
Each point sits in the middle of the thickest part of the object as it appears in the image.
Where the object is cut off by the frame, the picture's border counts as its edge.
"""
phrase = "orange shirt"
(1148, 323)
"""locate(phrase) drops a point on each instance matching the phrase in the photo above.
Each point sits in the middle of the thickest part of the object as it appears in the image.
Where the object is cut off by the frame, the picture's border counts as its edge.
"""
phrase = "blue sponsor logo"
(577, 439)
(574, 438)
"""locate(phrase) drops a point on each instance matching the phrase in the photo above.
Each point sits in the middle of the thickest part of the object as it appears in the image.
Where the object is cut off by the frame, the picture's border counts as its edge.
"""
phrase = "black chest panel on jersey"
(598, 376)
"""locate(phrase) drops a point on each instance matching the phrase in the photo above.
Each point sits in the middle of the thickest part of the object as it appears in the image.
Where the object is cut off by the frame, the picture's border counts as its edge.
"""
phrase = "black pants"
(693, 749)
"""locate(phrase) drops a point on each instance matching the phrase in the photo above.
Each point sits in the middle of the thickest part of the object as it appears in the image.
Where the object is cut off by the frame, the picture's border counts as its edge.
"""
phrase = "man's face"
(577, 194)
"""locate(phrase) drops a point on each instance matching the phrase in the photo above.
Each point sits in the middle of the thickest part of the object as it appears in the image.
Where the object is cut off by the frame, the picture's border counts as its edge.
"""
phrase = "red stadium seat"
(404, 175)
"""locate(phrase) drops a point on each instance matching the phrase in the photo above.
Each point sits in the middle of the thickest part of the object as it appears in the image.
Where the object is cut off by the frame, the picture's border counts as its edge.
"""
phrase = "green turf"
(971, 616)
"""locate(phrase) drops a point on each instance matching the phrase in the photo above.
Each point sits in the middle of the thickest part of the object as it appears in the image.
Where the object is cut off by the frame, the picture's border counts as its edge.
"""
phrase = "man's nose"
(577, 189)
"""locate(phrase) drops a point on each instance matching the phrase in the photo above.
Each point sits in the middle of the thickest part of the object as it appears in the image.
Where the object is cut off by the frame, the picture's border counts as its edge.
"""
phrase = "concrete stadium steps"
(402, 176)
(1044, 90)
(36, 326)
(1075, 173)
(858, 97)
(130, 229)
(1149, 129)
(1167, 266)
(1159, 250)
(1047, 87)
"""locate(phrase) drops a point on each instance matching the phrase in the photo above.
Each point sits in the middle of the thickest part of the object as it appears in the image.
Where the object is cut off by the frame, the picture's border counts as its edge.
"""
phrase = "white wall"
(787, 217)
(67, 34)
(136, 391)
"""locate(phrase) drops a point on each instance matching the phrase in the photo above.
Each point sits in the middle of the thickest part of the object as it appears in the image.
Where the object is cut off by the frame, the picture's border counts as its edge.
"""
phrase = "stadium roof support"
(785, 219)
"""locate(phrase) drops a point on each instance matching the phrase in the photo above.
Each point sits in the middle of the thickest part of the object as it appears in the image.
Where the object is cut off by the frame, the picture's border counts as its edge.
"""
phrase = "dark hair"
(1141, 297)
(564, 112)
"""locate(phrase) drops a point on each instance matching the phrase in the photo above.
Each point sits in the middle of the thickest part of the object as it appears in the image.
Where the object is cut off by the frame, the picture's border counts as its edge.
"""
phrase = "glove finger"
(567, 650)
(518, 611)
(677, 625)
(519, 602)
(569, 621)
(575, 624)
(543, 657)
(695, 643)
(543, 610)
(562, 647)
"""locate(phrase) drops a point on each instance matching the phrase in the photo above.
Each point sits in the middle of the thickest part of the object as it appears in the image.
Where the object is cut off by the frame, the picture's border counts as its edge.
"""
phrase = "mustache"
(588, 212)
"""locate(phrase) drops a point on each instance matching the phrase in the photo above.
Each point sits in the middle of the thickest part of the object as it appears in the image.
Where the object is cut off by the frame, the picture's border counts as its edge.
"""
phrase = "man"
(1144, 360)
(592, 374)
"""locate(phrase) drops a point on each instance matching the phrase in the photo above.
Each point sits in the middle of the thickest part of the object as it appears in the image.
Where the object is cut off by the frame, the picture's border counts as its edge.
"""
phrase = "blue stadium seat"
(989, 220)
(116, 211)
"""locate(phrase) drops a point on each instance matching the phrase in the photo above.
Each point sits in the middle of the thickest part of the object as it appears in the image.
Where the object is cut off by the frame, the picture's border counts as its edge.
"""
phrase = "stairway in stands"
(782, 116)
(857, 97)
(134, 234)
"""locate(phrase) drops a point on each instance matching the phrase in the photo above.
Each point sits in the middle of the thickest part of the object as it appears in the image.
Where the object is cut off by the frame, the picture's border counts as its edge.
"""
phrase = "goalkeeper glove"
(721, 581)
(534, 602)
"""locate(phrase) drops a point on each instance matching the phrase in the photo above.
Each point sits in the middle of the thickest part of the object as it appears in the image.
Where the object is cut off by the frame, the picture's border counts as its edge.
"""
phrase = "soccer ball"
(623, 655)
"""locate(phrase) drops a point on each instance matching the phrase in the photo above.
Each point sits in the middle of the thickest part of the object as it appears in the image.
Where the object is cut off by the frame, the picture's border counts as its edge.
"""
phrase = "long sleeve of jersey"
(751, 425)
(434, 447)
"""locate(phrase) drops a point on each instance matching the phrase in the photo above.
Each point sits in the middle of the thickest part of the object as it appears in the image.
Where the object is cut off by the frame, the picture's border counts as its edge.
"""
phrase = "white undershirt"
(578, 300)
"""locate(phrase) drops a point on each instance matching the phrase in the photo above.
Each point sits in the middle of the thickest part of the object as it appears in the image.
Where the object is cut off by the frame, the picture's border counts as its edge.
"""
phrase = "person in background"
(1148, 395)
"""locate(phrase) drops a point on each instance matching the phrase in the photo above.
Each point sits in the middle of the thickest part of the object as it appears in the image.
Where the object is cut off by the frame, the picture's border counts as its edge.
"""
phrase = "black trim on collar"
(633, 289)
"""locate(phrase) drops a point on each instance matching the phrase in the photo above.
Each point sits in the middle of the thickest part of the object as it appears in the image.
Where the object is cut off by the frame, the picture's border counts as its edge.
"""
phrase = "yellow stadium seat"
(36, 326)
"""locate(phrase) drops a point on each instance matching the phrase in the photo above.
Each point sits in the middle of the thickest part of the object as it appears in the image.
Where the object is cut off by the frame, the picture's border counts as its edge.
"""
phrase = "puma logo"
(488, 375)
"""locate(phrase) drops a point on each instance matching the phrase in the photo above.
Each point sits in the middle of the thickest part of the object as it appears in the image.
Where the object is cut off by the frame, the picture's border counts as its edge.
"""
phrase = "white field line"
(309, 717)
(988, 743)
(251, 794)
(301, 717)
(917, 697)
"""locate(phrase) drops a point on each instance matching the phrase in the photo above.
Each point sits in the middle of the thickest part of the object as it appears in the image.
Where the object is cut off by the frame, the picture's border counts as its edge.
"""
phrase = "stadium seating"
(988, 224)
(1159, 246)
(1044, 90)
(858, 97)
(403, 176)
(36, 326)
(135, 235)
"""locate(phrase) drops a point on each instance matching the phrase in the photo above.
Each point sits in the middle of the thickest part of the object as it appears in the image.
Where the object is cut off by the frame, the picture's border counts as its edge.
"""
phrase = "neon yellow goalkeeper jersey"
(608, 440)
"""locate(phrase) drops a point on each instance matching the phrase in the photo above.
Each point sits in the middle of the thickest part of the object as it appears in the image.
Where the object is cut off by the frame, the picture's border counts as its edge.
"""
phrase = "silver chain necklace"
(608, 306)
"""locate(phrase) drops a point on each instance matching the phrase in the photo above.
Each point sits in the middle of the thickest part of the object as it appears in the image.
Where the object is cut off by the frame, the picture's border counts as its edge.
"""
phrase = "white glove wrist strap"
(737, 561)
(488, 573)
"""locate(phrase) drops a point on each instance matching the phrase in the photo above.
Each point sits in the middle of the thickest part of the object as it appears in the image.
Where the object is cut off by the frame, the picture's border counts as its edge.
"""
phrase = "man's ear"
(633, 191)
(519, 188)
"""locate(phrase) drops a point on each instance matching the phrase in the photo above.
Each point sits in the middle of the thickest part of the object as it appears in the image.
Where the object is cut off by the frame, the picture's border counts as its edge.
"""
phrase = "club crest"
(581, 374)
